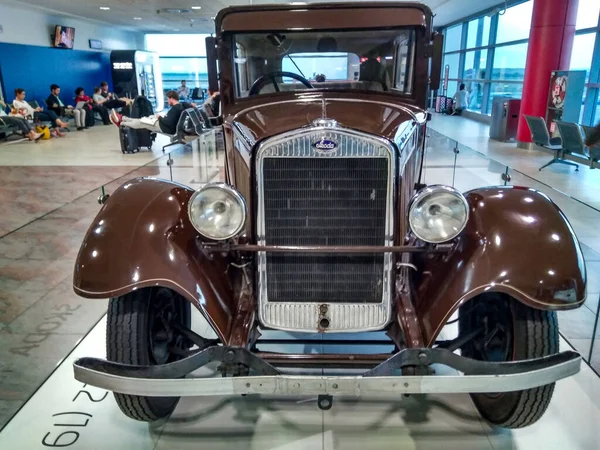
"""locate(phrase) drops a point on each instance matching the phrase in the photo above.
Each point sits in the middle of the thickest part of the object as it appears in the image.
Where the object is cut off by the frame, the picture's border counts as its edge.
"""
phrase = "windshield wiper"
(294, 62)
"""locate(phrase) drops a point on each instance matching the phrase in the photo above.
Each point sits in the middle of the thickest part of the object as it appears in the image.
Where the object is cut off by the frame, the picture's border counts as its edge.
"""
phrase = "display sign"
(95, 44)
(122, 66)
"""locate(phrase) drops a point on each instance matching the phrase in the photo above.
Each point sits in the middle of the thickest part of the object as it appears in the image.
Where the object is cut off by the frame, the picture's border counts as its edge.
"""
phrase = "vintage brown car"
(324, 230)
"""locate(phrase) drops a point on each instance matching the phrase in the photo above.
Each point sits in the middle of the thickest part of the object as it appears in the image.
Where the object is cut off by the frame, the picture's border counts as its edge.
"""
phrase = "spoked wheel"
(140, 330)
(509, 331)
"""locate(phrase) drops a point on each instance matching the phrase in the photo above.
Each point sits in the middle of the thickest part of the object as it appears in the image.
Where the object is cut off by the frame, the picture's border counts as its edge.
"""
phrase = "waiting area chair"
(541, 137)
(592, 152)
(190, 124)
(574, 143)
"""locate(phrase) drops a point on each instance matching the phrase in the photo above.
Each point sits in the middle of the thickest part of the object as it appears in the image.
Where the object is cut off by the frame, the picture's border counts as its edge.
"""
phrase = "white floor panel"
(67, 414)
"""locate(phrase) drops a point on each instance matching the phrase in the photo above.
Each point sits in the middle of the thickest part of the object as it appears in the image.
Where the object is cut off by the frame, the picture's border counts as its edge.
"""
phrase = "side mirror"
(211, 62)
(436, 61)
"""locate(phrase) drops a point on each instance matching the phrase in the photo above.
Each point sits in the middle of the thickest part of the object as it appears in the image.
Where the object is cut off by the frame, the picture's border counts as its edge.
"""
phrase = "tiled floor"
(48, 198)
(47, 201)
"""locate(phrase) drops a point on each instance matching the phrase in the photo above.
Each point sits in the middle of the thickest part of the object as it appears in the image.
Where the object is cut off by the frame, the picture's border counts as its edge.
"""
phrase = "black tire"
(529, 333)
(134, 336)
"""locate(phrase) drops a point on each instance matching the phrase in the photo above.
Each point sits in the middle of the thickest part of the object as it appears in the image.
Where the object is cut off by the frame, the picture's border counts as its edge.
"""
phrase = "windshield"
(366, 60)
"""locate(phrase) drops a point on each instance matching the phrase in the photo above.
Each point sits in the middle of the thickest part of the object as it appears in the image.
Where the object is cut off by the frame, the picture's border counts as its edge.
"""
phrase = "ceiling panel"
(153, 16)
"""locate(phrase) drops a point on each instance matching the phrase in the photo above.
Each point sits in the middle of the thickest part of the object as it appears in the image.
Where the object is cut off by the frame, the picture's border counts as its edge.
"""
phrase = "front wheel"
(510, 331)
(140, 332)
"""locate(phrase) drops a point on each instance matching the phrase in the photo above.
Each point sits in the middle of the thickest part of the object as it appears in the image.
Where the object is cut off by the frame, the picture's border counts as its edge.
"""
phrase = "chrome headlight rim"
(230, 190)
(432, 190)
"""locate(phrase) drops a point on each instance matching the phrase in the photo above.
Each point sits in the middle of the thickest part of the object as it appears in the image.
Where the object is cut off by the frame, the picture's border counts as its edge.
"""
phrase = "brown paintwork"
(368, 15)
(142, 237)
(517, 242)
(280, 17)
(536, 244)
(380, 115)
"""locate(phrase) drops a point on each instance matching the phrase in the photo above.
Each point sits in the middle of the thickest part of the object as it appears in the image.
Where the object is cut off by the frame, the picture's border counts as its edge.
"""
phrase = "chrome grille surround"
(304, 316)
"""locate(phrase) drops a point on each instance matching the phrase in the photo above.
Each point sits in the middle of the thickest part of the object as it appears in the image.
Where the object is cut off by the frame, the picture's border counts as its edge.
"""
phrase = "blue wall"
(35, 68)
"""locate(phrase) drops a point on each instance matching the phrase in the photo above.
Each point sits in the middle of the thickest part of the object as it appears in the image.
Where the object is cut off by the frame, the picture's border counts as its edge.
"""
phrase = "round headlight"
(217, 211)
(438, 214)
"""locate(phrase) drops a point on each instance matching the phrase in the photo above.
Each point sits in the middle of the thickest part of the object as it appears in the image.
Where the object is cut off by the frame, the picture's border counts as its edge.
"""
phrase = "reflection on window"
(509, 62)
(515, 23)
(513, 90)
(452, 40)
(475, 90)
(452, 61)
(587, 14)
(583, 51)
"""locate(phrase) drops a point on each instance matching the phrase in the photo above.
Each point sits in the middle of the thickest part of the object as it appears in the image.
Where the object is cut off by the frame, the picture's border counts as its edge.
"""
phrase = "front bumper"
(479, 377)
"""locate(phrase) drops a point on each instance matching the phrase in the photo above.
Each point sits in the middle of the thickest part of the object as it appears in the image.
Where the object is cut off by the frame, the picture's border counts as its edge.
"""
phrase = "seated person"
(183, 91)
(166, 124)
(213, 103)
(110, 101)
(593, 138)
(55, 104)
(24, 109)
(320, 78)
(81, 97)
(18, 122)
(461, 101)
(372, 71)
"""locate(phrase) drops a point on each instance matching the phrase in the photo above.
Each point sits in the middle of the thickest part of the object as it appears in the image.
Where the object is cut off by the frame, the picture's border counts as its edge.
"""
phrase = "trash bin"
(505, 118)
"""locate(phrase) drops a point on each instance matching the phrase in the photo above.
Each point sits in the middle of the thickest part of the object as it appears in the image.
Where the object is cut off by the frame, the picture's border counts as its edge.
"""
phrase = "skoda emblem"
(325, 145)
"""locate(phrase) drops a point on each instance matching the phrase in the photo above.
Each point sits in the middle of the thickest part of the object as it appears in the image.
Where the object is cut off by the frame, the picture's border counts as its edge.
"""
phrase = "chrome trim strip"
(301, 385)
(344, 317)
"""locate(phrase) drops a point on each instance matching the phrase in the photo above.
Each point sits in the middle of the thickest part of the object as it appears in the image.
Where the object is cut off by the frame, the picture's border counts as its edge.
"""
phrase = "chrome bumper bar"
(519, 376)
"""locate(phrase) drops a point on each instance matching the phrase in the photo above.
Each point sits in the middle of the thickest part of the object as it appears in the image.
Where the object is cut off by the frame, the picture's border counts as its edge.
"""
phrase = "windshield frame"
(392, 89)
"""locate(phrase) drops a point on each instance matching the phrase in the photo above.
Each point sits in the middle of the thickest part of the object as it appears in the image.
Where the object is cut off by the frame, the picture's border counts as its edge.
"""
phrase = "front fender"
(142, 237)
(518, 242)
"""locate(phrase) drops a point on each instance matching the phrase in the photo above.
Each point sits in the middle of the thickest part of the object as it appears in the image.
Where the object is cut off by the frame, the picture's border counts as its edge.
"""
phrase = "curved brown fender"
(142, 237)
(518, 242)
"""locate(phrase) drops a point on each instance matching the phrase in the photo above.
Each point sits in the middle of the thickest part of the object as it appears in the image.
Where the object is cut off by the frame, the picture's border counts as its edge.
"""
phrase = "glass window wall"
(182, 57)
(491, 58)
(514, 24)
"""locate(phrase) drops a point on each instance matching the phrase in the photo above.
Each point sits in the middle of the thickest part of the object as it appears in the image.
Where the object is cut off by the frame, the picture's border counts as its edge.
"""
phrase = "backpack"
(44, 131)
(142, 107)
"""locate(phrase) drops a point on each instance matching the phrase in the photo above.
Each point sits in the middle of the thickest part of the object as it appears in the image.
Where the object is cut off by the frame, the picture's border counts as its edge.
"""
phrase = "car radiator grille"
(330, 202)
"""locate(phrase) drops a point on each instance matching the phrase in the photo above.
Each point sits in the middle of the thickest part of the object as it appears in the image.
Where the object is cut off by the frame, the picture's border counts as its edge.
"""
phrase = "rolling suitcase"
(145, 138)
(129, 140)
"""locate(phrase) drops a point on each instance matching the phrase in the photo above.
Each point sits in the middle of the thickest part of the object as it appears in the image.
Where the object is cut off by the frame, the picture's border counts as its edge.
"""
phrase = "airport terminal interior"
(82, 85)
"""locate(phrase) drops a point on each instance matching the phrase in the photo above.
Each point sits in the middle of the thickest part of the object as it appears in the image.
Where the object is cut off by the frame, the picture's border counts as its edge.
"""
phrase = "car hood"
(380, 117)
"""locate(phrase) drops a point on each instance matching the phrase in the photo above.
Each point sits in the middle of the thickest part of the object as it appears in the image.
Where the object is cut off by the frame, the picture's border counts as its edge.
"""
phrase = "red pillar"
(550, 44)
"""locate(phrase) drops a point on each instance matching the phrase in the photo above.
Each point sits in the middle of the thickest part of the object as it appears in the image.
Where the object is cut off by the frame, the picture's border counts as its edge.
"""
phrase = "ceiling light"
(196, 7)
(104, 8)
(137, 18)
